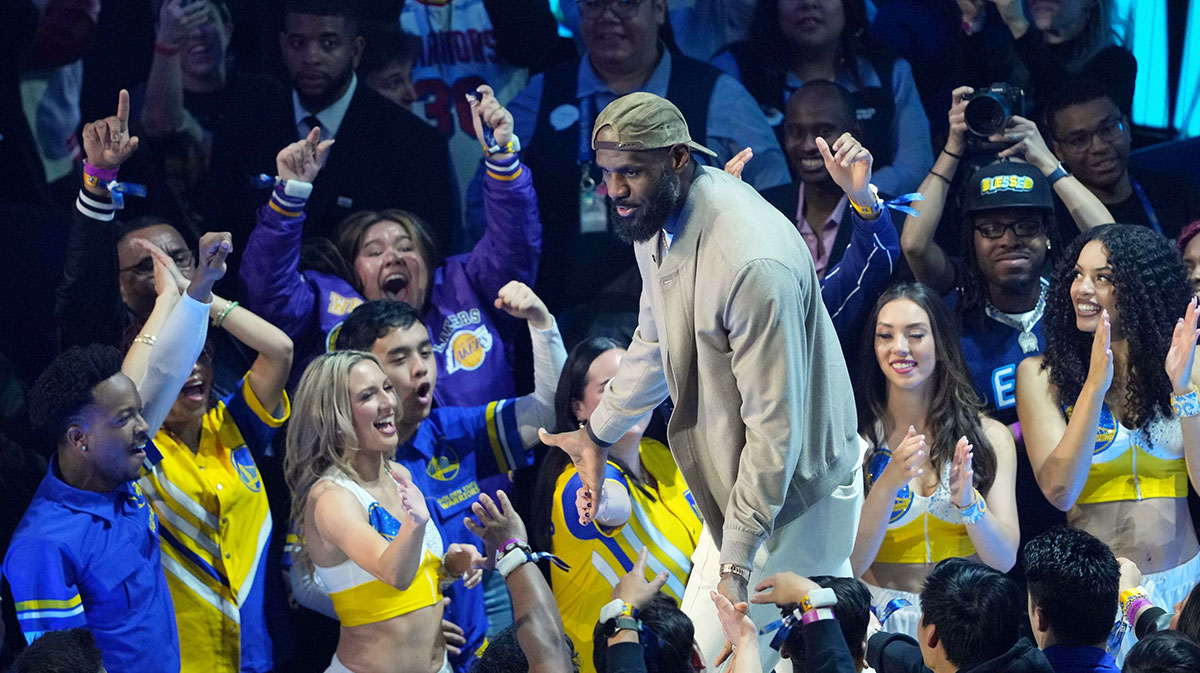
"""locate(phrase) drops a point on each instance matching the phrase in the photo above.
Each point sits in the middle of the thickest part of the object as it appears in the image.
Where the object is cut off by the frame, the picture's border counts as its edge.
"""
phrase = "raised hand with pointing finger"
(849, 164)
(303, 159)
(106, 142)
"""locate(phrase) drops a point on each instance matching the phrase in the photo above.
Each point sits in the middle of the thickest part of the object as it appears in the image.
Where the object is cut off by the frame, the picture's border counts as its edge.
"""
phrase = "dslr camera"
(987, 113)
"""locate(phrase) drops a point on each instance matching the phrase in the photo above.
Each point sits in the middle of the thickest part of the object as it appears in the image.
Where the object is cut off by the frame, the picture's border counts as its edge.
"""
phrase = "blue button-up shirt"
(91, 560)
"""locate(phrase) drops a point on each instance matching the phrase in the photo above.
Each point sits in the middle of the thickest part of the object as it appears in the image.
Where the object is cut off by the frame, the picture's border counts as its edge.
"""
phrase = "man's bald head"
(819, 108)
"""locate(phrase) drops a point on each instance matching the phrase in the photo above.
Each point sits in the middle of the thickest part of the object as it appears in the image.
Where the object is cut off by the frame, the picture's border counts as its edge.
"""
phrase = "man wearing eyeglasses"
(996, 285)
(108, 279)
(623, 53)
(1092, 136)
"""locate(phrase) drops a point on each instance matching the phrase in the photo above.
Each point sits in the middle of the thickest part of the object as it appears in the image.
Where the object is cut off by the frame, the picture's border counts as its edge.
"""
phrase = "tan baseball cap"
(643, 121)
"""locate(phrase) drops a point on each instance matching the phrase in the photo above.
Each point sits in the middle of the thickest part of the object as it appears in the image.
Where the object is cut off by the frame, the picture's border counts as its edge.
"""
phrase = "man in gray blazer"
(733, 328)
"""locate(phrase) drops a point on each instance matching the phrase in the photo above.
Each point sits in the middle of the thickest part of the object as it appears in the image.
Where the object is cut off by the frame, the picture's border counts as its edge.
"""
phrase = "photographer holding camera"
(1005, 216)
(1044, 44)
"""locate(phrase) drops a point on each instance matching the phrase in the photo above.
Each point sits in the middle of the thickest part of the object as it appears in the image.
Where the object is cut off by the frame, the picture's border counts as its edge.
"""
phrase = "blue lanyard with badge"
(593, 208)
(1146, 207)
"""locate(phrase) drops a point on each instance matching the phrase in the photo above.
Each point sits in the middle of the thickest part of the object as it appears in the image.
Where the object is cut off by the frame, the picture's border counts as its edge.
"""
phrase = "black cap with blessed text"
(643, 121)
(1007, 184)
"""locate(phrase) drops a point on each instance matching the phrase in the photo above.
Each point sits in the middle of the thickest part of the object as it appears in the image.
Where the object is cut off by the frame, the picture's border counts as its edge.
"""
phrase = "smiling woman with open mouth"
(941, 474)
(1109, 410)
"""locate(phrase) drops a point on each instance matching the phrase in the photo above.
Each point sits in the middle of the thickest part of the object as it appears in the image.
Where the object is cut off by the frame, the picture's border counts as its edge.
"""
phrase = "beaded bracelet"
(1187, 404)
(229, 306)
(974, 512)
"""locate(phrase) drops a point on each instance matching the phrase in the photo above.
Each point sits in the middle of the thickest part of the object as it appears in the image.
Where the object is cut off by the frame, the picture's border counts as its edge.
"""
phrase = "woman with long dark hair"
(940, 473)
(794, 41)
(1109, 410)
(644, 503)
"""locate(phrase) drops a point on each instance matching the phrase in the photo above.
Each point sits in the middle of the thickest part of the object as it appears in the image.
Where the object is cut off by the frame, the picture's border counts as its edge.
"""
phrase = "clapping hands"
(412, 501)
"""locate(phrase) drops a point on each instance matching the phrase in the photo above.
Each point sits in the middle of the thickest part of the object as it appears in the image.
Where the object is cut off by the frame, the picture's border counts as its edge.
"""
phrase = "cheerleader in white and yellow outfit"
(365, 525)
(940, 474)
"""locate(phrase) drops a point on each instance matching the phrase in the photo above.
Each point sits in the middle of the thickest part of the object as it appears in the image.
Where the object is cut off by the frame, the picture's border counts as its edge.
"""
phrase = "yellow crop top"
(921, 529)
(1130, 464)
(358, 597)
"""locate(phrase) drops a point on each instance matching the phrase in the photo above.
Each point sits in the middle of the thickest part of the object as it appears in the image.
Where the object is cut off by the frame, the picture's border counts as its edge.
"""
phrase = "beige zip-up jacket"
(732, 326)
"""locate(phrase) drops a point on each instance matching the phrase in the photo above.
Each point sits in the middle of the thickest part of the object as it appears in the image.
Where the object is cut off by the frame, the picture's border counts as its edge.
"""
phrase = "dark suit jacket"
(384, 157)
(786, 198)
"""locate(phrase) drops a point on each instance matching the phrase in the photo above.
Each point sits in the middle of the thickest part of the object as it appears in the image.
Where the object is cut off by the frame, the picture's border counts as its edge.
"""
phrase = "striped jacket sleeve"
(850, 288)
(46, 597)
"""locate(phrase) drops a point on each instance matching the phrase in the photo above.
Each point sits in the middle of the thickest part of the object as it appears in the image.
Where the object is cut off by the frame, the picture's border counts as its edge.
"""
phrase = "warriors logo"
(247, 471)
(443, 467)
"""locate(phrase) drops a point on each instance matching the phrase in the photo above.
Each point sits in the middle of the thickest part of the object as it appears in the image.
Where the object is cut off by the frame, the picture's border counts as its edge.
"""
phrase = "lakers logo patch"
(247, 471)
(339, 305)
(467, 349)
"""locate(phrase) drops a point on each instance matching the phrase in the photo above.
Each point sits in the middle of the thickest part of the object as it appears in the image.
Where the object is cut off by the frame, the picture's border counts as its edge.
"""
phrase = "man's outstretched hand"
(589, 460)
(106, 142)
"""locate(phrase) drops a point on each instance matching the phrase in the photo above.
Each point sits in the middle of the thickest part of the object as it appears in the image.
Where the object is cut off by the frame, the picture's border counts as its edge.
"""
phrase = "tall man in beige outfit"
(732, 326)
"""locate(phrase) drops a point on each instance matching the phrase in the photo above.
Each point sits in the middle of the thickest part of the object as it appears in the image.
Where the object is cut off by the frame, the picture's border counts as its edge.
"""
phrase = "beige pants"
(819, 542)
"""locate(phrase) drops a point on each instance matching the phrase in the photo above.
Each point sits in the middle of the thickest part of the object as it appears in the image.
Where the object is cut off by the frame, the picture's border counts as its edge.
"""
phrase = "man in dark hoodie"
(970, 623)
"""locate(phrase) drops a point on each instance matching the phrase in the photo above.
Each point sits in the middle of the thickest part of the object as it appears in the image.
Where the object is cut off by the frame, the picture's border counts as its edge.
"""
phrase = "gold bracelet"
(147, 339)
(229, 306)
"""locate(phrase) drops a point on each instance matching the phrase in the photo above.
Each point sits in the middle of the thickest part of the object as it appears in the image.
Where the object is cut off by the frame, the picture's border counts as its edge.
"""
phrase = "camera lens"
(986, 115)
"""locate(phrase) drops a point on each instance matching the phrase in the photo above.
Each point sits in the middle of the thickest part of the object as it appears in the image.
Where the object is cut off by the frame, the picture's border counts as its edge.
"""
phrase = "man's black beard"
(327, 97)
(650, 218)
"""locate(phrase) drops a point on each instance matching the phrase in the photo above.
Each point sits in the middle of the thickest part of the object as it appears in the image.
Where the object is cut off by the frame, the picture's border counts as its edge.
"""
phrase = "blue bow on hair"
(118, 190)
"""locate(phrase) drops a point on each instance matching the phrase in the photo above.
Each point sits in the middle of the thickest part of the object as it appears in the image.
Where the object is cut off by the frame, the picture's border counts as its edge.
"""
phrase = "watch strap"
(735, 569)
(1057, 174)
